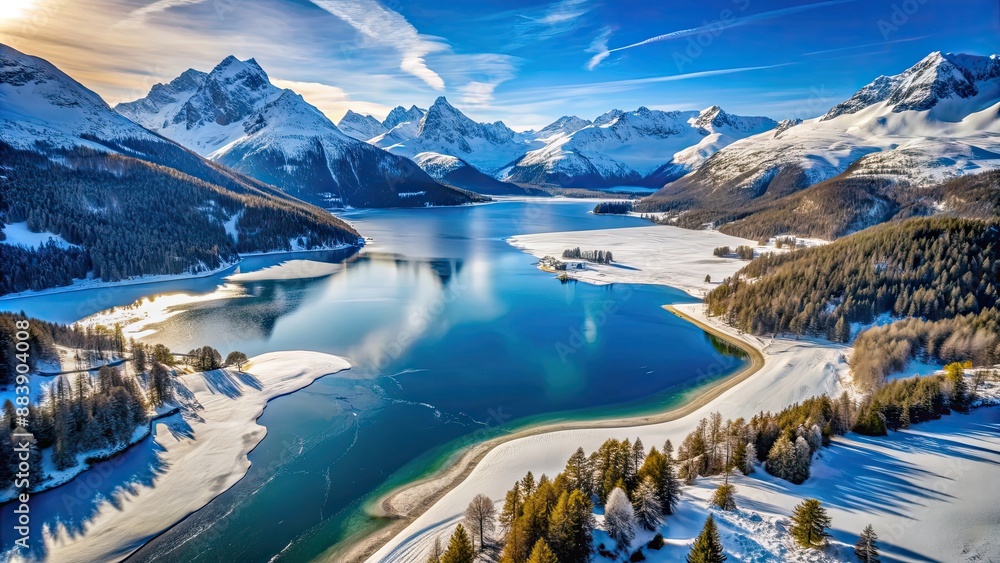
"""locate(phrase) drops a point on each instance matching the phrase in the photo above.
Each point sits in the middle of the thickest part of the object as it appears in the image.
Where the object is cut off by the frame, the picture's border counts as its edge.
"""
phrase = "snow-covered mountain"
(43, 108)
(454, 171)
(446, 130)
(641, 147)
(235, 116)
(399, 115)
(936, 120)
(361, 127)
(128, 201)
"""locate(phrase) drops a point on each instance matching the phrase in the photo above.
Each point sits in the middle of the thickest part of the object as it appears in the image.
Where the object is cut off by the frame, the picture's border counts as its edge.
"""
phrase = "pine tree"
(707, 546)
(579, 472)
(619, 519)
(867, 547)
(541, 553)
(809, 524)
(571, 526)
(725, 497)
(460, 548)
(648, 510)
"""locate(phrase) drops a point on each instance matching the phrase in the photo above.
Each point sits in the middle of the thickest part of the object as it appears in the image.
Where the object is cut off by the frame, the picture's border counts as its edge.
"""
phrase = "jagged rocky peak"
(937, 77)
(399, 114)
(230, 92)
(786, 124)
(566, 124)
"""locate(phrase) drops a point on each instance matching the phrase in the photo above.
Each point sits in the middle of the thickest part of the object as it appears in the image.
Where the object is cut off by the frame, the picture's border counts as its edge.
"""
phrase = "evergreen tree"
(648, 510)
(579, 472)
(866, 549)
(571, 526)
(460, 548)
(725, 497)
(707, 546)
(809, 524)
(541, 553)
(619, 519)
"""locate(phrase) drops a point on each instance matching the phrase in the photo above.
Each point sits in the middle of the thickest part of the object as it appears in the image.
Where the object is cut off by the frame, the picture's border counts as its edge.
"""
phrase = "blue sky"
(524, 62)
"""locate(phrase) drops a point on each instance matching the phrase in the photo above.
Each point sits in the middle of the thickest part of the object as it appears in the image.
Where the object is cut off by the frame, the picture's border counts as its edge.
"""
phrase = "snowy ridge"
(937, 120)
(638, 147)
(361, 127)
(43, 107)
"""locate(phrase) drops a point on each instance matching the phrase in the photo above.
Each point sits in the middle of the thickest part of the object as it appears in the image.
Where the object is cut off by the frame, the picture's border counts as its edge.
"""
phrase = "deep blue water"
(456, 337)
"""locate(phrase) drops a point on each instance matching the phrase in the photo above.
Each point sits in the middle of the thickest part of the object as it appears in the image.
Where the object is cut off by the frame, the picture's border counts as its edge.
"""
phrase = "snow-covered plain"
(221, 409)
(657, 254)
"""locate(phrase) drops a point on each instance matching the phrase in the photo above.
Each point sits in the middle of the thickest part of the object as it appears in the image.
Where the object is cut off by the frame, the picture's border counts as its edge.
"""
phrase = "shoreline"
(222, 409)
(83, 285)
(400, 511)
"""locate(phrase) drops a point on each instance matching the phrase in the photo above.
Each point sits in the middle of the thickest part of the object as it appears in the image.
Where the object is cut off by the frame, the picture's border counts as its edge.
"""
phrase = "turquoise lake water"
(456, 337)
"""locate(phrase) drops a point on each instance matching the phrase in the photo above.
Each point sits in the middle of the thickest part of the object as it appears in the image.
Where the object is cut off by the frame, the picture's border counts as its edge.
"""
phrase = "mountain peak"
(935, 78)
(399, 114)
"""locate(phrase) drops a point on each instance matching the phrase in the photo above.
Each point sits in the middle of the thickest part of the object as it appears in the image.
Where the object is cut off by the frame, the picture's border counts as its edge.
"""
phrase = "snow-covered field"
(18, 234)
(221, 409)
(658, 254)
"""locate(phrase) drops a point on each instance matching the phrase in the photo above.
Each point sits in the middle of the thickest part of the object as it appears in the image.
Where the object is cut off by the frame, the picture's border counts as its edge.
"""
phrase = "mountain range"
(235, 116)
(863, 162)
(240, 155)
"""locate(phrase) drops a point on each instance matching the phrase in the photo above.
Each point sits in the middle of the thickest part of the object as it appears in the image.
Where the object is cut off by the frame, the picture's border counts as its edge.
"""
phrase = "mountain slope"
(360, 127)
(235, 116)
(129, 201)
(935, 121)
(456, 172)
(643, 147)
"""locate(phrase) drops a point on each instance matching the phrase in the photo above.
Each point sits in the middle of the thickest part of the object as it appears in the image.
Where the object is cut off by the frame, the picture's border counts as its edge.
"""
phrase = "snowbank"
(221, 409)
(658, 254)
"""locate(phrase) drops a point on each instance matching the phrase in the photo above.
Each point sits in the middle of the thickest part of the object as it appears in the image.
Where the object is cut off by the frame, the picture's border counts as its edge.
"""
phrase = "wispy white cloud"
(600, 47)
(608, 87)
(712, 27)
(140, 15)
(385, 27)
(865, 46)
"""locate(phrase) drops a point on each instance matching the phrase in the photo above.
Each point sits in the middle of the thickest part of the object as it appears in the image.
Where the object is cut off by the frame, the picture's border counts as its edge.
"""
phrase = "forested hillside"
(941, 273)
(830, 209)
(129, 217)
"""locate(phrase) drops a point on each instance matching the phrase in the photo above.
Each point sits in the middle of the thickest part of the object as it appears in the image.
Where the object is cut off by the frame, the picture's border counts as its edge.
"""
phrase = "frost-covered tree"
(747, 466)
(648, 510)
(619, 519)
(866, 549)
(707, 546)
(809, 524)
